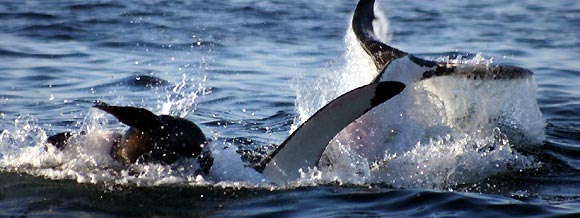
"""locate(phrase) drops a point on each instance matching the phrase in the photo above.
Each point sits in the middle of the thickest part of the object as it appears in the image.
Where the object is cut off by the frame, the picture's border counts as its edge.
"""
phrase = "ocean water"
(248, 72)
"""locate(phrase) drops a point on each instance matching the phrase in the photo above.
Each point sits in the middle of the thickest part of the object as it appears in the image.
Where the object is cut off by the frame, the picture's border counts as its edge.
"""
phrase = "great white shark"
(393, 65)
(368, 136)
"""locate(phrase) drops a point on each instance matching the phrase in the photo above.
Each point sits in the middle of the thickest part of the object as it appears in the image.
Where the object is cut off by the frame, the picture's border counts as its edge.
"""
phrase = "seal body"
(151, 138)
(174, 138)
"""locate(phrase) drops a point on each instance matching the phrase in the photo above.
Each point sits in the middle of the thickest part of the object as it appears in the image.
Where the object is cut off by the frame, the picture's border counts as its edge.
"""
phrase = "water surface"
(247, 72)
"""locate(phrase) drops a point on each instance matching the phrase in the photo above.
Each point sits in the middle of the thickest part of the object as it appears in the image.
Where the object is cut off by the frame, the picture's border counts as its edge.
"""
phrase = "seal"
(151, 138)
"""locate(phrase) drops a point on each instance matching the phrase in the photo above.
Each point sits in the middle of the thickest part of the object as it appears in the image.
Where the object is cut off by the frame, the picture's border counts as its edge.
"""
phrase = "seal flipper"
(139, 118)
(362, 26)
(304, 147)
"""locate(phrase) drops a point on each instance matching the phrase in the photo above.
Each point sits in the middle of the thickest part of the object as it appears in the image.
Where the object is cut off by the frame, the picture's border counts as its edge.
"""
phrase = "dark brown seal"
(151, 138)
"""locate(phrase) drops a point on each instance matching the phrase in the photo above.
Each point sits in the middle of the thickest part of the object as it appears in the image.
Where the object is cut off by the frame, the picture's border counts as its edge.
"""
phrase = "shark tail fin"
(362, 26)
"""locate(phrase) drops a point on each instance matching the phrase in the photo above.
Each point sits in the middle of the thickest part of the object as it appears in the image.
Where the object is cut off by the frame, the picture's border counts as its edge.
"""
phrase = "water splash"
(312, 95)
(181, 100)
(451, 160)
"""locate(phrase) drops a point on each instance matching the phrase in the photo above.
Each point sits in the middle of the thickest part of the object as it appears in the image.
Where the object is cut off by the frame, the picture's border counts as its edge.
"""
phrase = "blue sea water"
(247, 72)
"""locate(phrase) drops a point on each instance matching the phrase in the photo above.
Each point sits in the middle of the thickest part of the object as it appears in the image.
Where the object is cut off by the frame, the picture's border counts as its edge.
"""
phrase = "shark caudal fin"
(362, 26)
(383, 54)
(305, 146)
(138, 118)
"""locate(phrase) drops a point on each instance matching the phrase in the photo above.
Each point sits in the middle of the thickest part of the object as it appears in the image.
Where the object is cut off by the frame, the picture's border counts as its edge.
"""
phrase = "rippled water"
(246, 72)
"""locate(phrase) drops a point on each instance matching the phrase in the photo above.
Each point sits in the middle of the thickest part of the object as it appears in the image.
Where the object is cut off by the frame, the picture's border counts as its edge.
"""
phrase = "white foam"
(228, 166)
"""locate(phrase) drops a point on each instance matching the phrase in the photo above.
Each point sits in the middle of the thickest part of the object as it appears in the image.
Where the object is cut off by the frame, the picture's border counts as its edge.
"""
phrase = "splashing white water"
(181, 101)
(314, 94)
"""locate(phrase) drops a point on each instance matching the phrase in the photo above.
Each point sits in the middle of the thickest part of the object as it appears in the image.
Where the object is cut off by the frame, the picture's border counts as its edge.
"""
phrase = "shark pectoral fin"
(304, 147)
(138, 118)
(362, 26)
(479, 71)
